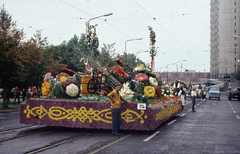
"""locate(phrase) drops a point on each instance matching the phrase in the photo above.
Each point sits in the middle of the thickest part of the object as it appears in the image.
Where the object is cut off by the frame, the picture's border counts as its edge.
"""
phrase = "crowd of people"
(33, 91)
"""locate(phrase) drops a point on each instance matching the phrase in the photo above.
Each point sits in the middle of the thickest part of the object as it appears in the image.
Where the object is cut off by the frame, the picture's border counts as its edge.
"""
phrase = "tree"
(15, 55)
(107, 53)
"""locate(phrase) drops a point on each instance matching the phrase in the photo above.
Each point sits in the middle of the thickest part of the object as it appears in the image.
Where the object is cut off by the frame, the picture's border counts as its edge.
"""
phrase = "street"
(214, 128)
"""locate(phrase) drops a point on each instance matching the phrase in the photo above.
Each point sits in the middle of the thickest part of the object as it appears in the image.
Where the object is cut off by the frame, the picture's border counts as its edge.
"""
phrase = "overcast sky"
(182, 27)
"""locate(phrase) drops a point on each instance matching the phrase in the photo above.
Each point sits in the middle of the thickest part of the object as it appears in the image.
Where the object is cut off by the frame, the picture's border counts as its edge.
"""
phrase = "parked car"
(233, 93)
(214, 92)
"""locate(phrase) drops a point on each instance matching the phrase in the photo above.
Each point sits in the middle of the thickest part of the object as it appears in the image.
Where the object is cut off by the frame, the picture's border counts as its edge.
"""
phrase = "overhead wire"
(166, 31)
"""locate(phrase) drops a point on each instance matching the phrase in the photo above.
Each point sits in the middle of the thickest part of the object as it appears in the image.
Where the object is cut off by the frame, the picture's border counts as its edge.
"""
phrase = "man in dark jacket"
(24, 94)
(17, 94)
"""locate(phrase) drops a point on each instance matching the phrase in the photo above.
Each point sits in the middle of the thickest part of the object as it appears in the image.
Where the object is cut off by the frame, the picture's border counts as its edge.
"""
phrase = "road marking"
(171, 122)
(237, 117)
(232, 108)
(109, 144)
(1, 127)
(197, 104)
(183, 114)
(2, 118)
(189, 110)
(150, 137)
(234, 111)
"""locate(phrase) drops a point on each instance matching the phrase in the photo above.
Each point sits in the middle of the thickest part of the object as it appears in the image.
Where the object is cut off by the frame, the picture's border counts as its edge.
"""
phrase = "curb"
(10, 110)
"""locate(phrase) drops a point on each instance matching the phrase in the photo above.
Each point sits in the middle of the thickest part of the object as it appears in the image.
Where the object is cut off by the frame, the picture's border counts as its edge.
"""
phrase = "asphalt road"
(214, 128)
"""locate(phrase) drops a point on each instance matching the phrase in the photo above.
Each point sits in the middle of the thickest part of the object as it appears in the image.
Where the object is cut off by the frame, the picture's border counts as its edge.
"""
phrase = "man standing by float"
(115, 98)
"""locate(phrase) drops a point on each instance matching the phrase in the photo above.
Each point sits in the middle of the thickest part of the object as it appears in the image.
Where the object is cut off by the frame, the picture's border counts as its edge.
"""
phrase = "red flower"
(105, 91)
(159, 93)
(98, 70)
(86, 92)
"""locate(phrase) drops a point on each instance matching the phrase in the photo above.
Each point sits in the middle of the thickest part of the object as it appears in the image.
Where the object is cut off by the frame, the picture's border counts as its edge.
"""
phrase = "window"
(199, 80)
(187, 80)
(235, 24)
(205, 75)
(163, 75)
(181, 74)
(235, 31)
(235, 65)
(235, 10)
(187, 74)
(193, 75)
(235, 58)
(199, 74)
(235, 3)
(235, 17)
(169, 74)
(163, 79)
(193, 80)
(169, 79)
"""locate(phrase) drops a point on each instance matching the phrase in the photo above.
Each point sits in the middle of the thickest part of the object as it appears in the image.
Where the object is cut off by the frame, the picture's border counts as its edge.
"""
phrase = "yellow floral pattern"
(45, 88)
(168, 111)
(149, 91)
(60, 113)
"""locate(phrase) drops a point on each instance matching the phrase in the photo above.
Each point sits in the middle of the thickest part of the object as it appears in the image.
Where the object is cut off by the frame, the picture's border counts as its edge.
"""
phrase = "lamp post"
(177, 65)
(167, 70)
(138, 53)
(128, 41)
(88, 23)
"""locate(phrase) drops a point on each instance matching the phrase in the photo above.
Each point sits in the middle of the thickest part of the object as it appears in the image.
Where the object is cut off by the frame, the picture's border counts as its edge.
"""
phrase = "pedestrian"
(7, 98)
(24, 94)
(17, 94)
(194, 95)
(115, 98)
(176, 87)
(38, 92)
(34, 90)
(182, 95)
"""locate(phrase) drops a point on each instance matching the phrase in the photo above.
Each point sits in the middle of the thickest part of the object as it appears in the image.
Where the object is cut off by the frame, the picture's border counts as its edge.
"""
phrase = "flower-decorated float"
(76, 100)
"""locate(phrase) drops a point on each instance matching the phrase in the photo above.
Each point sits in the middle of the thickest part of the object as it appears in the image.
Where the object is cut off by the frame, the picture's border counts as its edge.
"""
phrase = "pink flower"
(47, 75)
(141, 77)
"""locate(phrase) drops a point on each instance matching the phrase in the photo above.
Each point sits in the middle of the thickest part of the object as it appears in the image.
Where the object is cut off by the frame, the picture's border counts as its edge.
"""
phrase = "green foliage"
(137, 98)
(139, 87)
(153, 51)
(57, 89)
(94, 98)
(77, 78)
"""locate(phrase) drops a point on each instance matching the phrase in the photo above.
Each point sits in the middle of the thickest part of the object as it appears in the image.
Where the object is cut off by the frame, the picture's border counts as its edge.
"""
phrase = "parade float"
(74, 99)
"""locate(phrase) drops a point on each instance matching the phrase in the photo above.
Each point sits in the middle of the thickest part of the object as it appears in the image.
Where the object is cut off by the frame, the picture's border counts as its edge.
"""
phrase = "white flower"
(72, 90)
(150, 91)
(153, 82)
(167, 91)
(162, 93)
(165, 95)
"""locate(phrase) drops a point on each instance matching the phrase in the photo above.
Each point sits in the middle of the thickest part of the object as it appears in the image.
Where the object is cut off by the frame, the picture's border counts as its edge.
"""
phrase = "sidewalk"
(11, 108)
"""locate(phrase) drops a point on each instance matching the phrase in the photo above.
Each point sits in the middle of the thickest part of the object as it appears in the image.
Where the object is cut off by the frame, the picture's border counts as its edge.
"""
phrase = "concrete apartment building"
(225, 40)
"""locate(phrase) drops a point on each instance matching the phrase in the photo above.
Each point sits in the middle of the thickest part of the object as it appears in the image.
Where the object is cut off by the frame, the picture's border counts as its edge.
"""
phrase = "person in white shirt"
(176, 87)
(182, 94)
(194, 95)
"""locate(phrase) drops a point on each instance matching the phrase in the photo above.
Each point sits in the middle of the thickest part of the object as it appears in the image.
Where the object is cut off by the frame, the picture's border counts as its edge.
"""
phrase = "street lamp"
(128, 41)
(88, 23)
(167, 70)
(138, 53)
(177, 65)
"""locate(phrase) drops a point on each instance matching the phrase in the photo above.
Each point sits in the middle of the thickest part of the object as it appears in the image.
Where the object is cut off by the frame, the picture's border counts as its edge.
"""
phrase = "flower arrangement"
(184, 84)
(47, 76)
(159, 92)
(167, 91)
(149, 91)
(141, 77)
(141, 68)
(71, 90)
(45, 88)
(63, 78)
(153, 82)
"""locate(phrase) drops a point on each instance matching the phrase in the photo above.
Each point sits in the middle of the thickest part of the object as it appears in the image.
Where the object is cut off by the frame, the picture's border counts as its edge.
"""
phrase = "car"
(214, 92)
(234, 93)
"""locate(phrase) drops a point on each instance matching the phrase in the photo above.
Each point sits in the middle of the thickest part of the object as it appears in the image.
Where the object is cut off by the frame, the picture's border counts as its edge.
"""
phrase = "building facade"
(188, 77)
(225, 40)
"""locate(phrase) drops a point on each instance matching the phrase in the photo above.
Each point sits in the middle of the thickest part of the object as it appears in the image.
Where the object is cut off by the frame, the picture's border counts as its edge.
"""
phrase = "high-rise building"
(225, 38)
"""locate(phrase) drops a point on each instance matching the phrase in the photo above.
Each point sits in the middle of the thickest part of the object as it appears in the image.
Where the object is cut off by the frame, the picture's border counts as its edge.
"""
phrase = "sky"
(182, 27)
